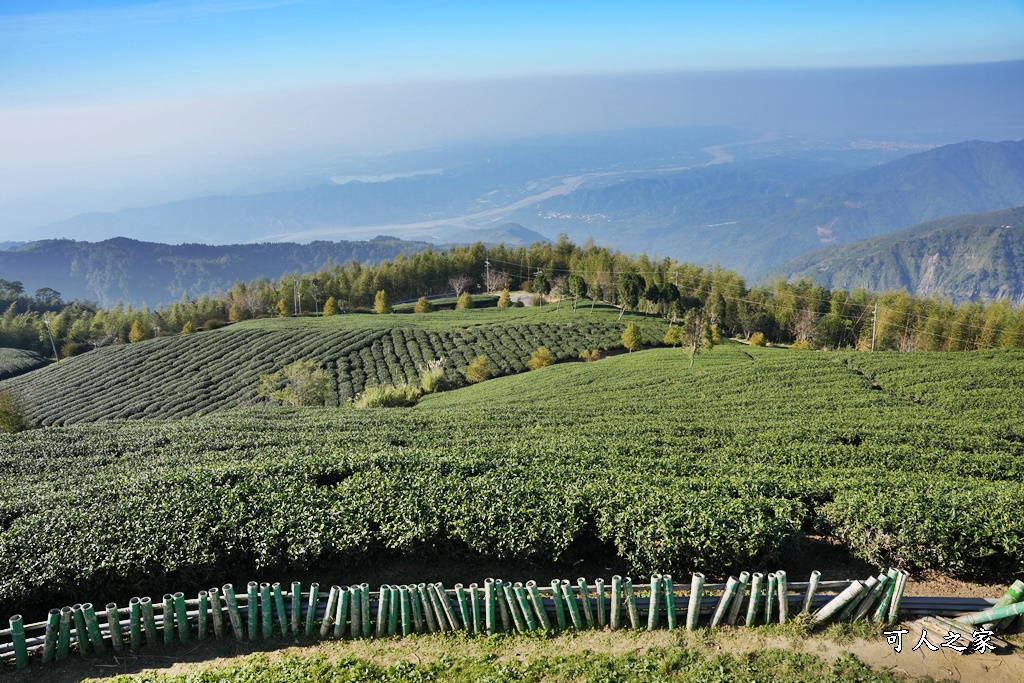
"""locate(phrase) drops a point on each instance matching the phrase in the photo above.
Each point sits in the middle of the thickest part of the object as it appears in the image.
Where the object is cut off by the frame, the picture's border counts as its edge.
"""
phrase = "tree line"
(799, 313)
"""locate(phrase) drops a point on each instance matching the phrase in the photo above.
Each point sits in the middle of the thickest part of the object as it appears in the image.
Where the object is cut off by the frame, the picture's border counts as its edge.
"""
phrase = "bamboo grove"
(784, 312)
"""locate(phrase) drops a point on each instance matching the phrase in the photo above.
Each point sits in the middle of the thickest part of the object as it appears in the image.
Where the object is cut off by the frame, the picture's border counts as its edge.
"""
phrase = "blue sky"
(59, 52)
(106, 104)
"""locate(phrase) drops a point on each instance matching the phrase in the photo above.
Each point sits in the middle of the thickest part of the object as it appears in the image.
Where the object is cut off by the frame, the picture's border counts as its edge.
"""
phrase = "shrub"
(72, 348)
(674, 336)
(187, 327)
(12, 413)
(423, 305)
(137, 333)
(302, 383)
(330, 306)
(464, 302)
(480, 370)
(388, 396)
(236, 313)
(590, 355)
(631, 338)
(382, 303)
(540, 358)
(518, 304)
(504, 301)
(432, 376)
(757, 339)
(801, 345)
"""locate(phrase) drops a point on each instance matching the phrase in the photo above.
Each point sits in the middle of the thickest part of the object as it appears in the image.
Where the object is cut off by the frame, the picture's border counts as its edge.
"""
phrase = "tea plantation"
(720, 466)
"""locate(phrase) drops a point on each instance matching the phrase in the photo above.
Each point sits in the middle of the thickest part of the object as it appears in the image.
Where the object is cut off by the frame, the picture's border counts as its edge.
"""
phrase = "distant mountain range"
(973, 256)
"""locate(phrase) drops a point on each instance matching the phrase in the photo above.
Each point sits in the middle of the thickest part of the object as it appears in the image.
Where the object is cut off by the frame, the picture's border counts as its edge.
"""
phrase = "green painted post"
(19, 641)
(570, 603)
(755, 598)
(355, 610)
(114, 627)
(851, 609)
(282, 616)
(737, 602)
(217, 617)
(64, 637)
(882, 611)
(460, 599)
(769, 603)
(92, 626)
(394, 607)
(837, 603)
(588, 612)
(383, 598)
(181, 616)
(556, 597)
(725, 602)
(203, 620)
(897, 597)
(693, 607)
(993, 614)
(266, 611)
(168, 614)
(602, 611)
(516, 613)
(499, 598)
(655, 602)
(1013, 594)
(81, 637)
(332, 606)
(538, 605)
(670, 600)
(446, 604)
(782, 583)
(489, 615)
(881, 582)
(149, 621)
(524, 606)
(50, 640)
(435, 604)
(474, 606)
(234, 613)
(295, 596)
(616, 607)
(364, 606)
(428, 607)
(135, 624)
(252, 609)
(634, 613)
(406, 604)
(812, 587)
(311, 607)
(342, 614)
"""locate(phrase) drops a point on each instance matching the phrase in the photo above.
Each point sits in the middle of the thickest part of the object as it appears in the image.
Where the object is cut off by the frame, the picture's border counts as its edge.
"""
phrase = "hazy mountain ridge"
(972, 256)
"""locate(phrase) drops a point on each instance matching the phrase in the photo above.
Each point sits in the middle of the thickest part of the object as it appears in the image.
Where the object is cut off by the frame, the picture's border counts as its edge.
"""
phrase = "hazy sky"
(106, 103)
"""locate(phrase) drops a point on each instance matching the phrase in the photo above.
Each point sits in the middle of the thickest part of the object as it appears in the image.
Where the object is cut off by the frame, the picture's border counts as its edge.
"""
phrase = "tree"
(480, 370)
(187, 327)
(674, 336)
(504, 301)
(12, 413)
(137, 333)
(540, 284)
(282, 307)
(423, 305)
(577, 288)
(465, 301)
(302, 383)
(236, 313)
(631, 286)
(540, 358)
(495, 279)
(381, 302)
(460, 283)
(330, 306)
(48, 297)
(696, 332)
(631, 338)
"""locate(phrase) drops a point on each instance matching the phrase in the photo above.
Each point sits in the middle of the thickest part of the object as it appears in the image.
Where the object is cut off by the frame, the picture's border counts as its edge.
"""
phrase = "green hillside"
(717, 467)
(201, 372)
(17, 361)
(967, 257)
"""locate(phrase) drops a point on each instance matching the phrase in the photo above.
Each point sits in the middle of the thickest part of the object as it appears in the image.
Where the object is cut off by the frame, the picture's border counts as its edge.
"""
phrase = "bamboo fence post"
(670, 600)
(570, 602)
(168, 614)
(489, 613)
(634, 613)
(406, 609)
(881, 583)
(282, 616)
(755, 598)
(203, 621)
(135, 624)
(556, 598)
(252, 609)
(364, 605)
(81, 637)
(234, 613)
(882, 611)
(837, 603)
(654, 602)
(311, 606)
(435, 602)
(724, 602)
(50, 639)
(216, 615)
(1012, 595)
(499, 596)
(524, 606)
(993, 614)
(266, 611)
(342, 613)
(474, 606)
(897, 597)
(510, 598)
(616, 606)
(782, 584)
(538, 605)
(588, 613)
(114, 627)
(332, 605)
(394, 608)
(181, 616)
(696, 594)
(296, 605)
(446, 603)
(737, 601)
(460, 598)
(64, 637)
(854, 605)
(428, 611)
(149, 620)
(812, 587)
(355, 608)
(602, 611)
(769, 603)
(19, 641)
(92, 625)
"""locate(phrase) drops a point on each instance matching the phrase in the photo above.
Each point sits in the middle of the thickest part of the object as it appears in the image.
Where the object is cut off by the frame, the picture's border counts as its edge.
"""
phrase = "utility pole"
(487, 274)
(874, 325)
(46, 321)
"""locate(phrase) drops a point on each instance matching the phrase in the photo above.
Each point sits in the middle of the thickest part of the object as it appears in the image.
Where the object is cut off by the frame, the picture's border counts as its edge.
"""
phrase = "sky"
(108, 103)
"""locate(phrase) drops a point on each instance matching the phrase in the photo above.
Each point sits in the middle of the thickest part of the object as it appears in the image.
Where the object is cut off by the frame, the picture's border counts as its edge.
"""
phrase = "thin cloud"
(127, 17)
